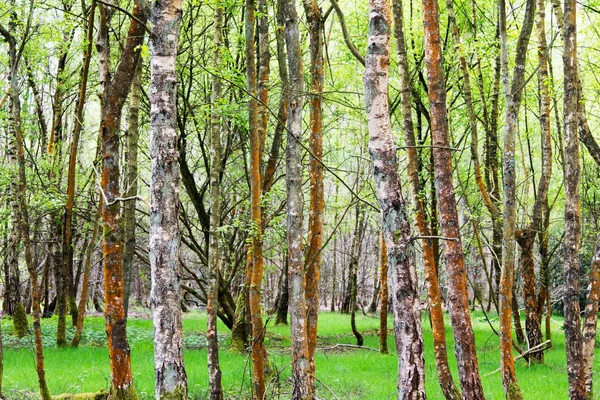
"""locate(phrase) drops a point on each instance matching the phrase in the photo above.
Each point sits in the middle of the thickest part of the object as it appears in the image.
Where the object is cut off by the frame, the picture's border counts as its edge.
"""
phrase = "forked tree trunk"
(317, 196)
(301, 379)
(115, 94)
(464, 339)
(573, 337)
(170, 376)
(433, 291)
(214, 370)
(513, 92)
(395, 225)
(383, 310)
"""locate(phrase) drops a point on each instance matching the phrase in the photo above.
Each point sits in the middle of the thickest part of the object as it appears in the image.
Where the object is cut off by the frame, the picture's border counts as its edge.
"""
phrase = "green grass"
(350, 374)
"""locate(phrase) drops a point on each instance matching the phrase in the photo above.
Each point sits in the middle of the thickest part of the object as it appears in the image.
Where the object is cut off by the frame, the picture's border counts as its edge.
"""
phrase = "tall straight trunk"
(170, 377)
(317, 196)
(16, 134)
(78, 125)
(301, 379)
(573, 337)
(395, 225)
(433, 291)
(513, 93)
(87, 269)
(131, 181)
(214, 370)
(256, 264)
(464, 342)
(384, 293)
(115, 94)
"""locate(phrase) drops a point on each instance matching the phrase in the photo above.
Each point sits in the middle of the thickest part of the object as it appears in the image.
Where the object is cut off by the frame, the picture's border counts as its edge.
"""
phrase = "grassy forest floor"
(349, 373)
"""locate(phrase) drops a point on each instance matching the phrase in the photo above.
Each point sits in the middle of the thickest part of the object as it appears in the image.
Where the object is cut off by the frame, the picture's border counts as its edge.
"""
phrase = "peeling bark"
(395, 225)
(169, 370)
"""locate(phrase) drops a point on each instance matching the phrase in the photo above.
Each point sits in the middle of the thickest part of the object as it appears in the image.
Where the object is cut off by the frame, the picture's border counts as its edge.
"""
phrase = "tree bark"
(115, 94)
(354, 261)
(513, 92)
(317, 196)
(301, 379)
(433, 292)
(89, 252)
(78, 125)
(464, 342)
(383, 310)
(214, 370)
(256, 272)
(395, 225)
(573, 337)
(131, 182)
(170, 376)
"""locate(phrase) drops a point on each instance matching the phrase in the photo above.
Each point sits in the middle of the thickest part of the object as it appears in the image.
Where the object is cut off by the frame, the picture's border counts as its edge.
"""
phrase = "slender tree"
(301, 380)
(317, 196)
(214, 371)
(464, 340)
(395, 225)
(573, 337)
(513, 91)
(131, 180)
(433, 291)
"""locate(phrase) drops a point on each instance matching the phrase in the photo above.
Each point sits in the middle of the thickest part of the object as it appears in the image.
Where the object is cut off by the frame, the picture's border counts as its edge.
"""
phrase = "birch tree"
(170, 376)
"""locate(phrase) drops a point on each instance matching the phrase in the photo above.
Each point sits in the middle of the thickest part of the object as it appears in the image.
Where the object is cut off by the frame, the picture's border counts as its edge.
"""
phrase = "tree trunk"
(464, 342)
(301, 380)
(89, 252)
(131, 182)
(590, 323)
(433, 291)
(383, 310)
(573, 337)
(115, 94)
(78, 125)
(283, 299)
(317, 196)
(255, 284)
(513, 92)
(354, 261)
(170, 376)
(395, 225)
(214, 370)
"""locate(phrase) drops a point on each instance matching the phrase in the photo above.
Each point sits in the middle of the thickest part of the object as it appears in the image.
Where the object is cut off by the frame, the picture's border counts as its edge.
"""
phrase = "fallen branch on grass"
(540, 347)
(352, 346)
